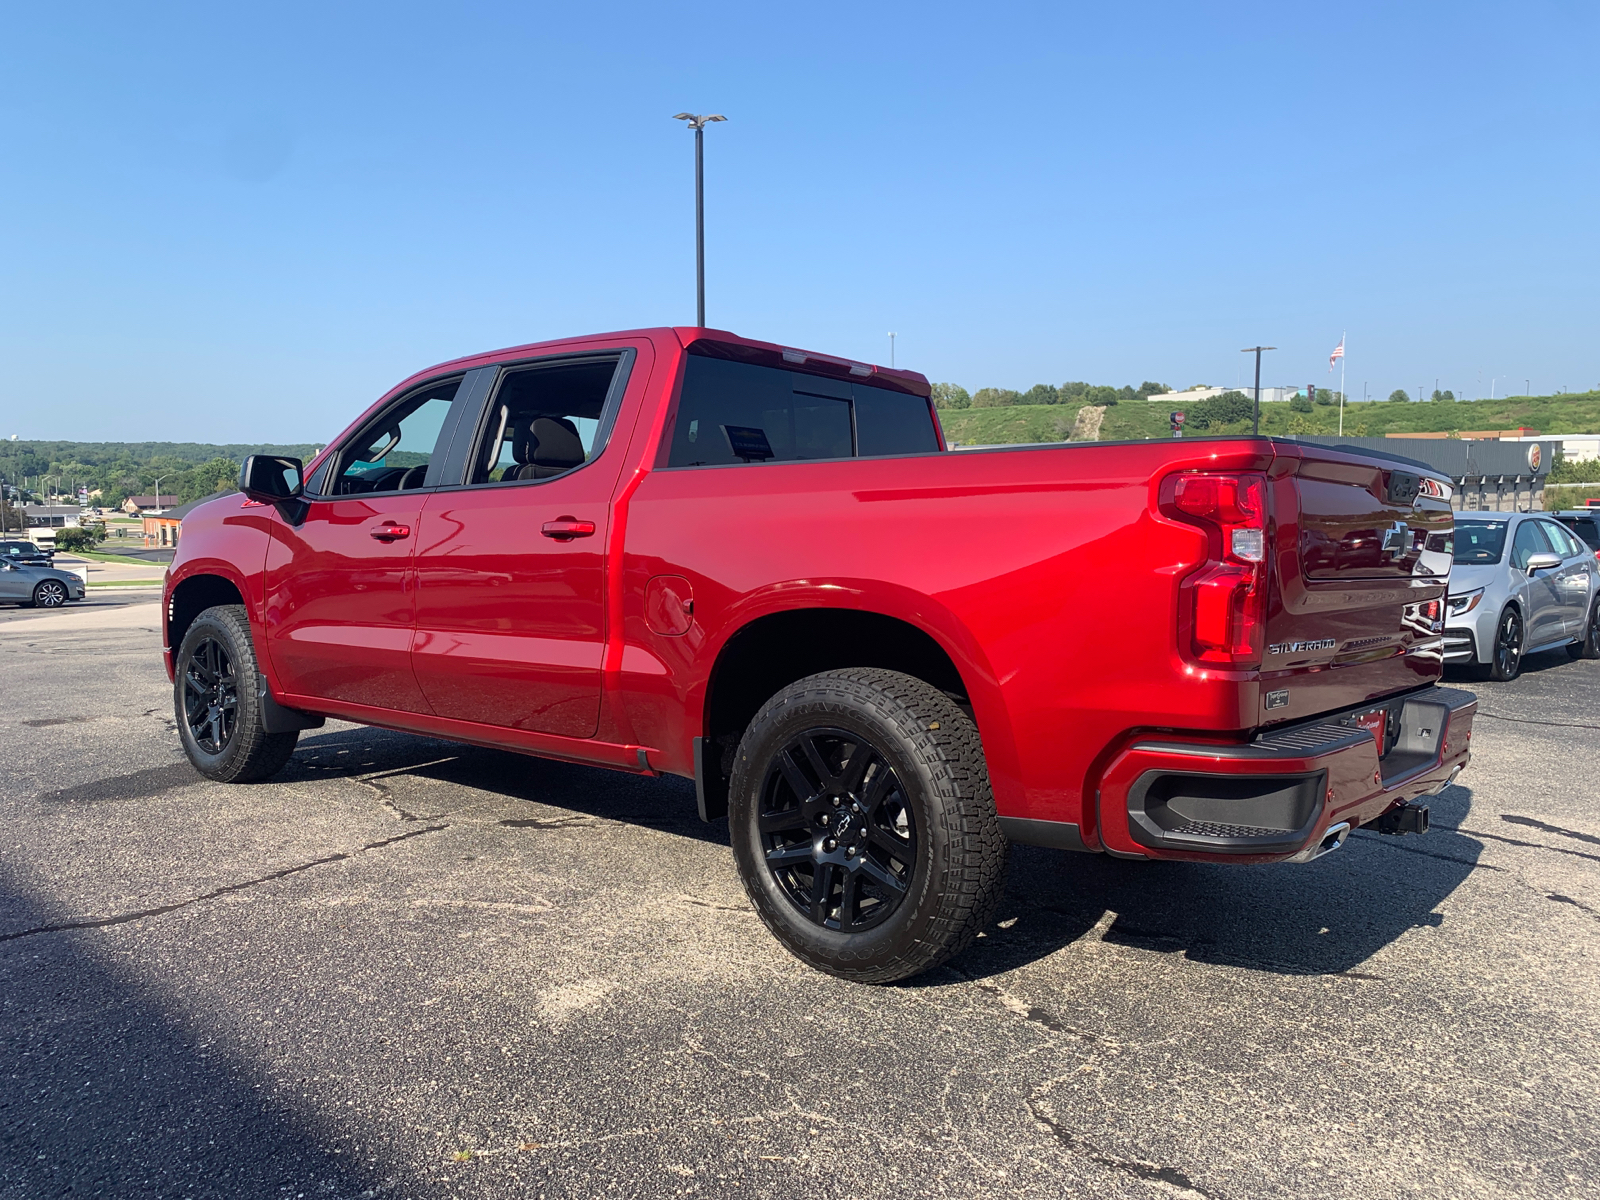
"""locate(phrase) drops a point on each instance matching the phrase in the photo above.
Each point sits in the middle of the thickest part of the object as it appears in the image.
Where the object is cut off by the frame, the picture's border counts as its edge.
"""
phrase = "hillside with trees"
(185, 470)
(1230, 413)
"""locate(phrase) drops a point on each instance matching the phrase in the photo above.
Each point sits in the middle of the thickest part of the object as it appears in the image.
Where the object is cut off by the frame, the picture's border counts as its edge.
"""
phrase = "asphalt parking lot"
(409, 968)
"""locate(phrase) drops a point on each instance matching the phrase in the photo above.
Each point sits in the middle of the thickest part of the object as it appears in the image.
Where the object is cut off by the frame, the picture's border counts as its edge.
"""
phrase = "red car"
(680, 551)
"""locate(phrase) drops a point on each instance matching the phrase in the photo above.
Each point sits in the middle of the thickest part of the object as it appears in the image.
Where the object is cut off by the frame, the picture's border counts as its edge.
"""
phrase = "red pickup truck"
(680, 551)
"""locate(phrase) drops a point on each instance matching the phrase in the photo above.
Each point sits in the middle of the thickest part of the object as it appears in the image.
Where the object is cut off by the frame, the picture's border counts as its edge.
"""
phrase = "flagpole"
(1342, 337)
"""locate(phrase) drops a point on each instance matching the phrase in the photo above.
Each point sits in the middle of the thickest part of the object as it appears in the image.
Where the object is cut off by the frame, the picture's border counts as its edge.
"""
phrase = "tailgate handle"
(564, 529)
(390, 532)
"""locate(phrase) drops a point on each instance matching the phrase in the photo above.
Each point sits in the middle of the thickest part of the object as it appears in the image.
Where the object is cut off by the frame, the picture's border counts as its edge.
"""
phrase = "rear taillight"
(1227, 598)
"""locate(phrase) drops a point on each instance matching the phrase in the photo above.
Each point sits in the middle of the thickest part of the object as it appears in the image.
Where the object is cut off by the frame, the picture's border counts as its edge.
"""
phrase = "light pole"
(891, 351)
(1255, 425)
(698, 123)
(1527, 387)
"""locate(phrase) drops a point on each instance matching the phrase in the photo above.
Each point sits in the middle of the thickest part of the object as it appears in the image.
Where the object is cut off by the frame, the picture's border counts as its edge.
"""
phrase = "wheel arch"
(772, 649)
(190, 597)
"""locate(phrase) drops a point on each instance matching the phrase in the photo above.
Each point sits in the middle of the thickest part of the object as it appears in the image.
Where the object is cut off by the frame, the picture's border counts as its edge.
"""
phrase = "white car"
(1520, 583)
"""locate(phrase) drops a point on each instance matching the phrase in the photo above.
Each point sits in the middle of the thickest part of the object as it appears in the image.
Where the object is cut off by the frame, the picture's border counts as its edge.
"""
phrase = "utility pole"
(698, 123)
(1255, 424)
(891, 351)
(1527, 387)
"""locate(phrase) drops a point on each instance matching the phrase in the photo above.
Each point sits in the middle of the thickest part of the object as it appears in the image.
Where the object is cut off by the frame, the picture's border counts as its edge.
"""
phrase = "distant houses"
(1269, 395)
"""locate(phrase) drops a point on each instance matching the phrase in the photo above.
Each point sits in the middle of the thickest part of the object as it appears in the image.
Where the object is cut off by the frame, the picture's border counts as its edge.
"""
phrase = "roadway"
(409, 968)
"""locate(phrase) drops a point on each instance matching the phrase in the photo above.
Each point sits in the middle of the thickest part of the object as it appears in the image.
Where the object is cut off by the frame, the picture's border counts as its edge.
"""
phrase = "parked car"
(678, 551)
(1583, 522)
(1521, 583)
(37, 586)
(23, 551)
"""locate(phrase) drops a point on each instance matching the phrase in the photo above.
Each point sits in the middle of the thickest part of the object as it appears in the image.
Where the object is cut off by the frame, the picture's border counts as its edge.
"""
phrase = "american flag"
(1338, 353)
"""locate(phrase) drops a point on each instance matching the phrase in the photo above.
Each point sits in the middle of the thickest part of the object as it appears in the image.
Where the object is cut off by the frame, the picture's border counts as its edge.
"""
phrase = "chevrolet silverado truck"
(679, 551)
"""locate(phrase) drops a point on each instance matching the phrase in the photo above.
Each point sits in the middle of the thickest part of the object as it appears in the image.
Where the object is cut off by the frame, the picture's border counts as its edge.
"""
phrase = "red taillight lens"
(1227, 596)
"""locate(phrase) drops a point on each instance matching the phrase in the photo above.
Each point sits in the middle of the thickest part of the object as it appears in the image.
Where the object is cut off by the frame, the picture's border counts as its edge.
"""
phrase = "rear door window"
(732, 412)
(548, 419)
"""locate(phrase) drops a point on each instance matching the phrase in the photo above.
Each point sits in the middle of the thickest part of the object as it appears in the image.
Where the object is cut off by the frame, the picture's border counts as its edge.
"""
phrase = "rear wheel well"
(191, 598)
(772, 652)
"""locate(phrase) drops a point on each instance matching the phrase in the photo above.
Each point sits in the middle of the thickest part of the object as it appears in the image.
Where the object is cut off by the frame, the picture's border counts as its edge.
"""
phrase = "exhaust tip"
(1330, 841)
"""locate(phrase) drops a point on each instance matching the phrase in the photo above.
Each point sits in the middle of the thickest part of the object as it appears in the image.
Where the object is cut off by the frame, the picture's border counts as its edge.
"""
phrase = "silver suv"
(1520, 583)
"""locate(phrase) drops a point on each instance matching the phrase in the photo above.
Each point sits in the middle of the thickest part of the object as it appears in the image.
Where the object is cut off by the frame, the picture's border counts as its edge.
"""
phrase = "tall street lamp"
(698, 123)
(1255, 425)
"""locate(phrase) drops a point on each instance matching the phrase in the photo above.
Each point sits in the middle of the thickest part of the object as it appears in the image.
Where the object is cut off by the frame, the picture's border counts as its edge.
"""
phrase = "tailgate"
(1361, 555)
(1370, 519)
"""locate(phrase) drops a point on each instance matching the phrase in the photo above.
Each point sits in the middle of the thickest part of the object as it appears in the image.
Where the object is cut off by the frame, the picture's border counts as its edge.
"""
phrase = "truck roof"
(719, 343)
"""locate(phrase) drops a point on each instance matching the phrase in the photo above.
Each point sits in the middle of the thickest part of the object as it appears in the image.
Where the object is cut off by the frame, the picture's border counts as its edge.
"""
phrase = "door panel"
(340, 602)
(511, 569)
(1572, 579)
(510, 626)
(1541, 593)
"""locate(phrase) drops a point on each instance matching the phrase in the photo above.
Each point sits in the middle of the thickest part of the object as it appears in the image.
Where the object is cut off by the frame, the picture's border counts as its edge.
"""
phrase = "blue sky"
(244, 222)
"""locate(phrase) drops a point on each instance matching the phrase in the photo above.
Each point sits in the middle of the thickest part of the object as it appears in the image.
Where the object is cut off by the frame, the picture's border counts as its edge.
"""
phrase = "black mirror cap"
(270, 479)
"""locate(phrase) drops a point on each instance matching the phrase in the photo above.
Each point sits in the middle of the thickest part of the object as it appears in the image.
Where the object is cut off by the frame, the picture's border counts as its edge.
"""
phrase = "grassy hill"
(1572, 413)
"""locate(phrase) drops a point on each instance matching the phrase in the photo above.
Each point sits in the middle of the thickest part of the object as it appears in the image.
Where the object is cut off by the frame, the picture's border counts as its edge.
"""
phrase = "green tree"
(1398, 397)
(994, 398)
(1324, 396)
(1148, 389)
(1040, 393)
(1444, 397)
(1221, 410)
(1300, 404)
(950, 395)
(79, 539)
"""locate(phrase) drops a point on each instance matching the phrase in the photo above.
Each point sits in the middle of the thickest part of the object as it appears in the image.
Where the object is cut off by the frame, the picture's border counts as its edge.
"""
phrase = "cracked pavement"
(406, 968)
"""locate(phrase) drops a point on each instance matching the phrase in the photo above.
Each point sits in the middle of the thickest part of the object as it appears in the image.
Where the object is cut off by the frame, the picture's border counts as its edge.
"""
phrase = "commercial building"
(1489, 476)
(1269, 395)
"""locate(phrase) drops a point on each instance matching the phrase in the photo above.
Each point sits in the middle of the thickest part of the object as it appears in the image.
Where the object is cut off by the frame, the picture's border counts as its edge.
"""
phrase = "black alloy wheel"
(1507, 647)
(210, 695)
(1589, 646)
(837, 829)
(218, 701)
(50, 594)
(863, 824)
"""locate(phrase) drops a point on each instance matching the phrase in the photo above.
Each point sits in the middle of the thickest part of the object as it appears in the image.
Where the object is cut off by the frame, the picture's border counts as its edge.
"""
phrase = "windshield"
(1480, 541)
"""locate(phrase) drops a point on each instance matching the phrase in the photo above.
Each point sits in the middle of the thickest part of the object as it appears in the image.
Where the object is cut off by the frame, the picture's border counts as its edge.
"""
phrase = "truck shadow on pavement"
(1322, 918)
(109, 1091)
(1327, 917)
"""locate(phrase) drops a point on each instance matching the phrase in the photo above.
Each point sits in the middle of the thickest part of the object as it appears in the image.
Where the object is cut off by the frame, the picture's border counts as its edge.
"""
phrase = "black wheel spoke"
(788, 856)
(847, 901)
(795, 777)
(822, 892)
(825, 775)
(883, 877)
(852, 827)
(784, 819)
(210, 696)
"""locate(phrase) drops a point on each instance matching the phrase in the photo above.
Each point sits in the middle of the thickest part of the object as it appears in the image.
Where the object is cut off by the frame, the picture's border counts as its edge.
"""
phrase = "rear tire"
(1510, 637)
(1589, 647)
(863, 825)
(216, 691)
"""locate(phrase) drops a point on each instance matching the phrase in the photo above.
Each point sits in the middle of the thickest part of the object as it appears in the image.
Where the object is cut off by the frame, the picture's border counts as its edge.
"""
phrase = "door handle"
(390, 532)
(564, 529)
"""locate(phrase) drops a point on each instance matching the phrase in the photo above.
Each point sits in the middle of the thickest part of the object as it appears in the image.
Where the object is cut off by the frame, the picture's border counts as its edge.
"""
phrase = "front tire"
(1505, 662)
(1589, 647)
(863, 825)
(216, 697)
(50, 594)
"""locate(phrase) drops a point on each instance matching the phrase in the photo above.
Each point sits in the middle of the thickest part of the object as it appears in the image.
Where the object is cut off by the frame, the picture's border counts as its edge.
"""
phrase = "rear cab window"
(730, 413)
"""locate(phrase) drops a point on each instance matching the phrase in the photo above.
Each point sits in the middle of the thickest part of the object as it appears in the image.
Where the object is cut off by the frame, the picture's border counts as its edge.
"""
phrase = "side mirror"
(269, 479)
(1542, 562)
